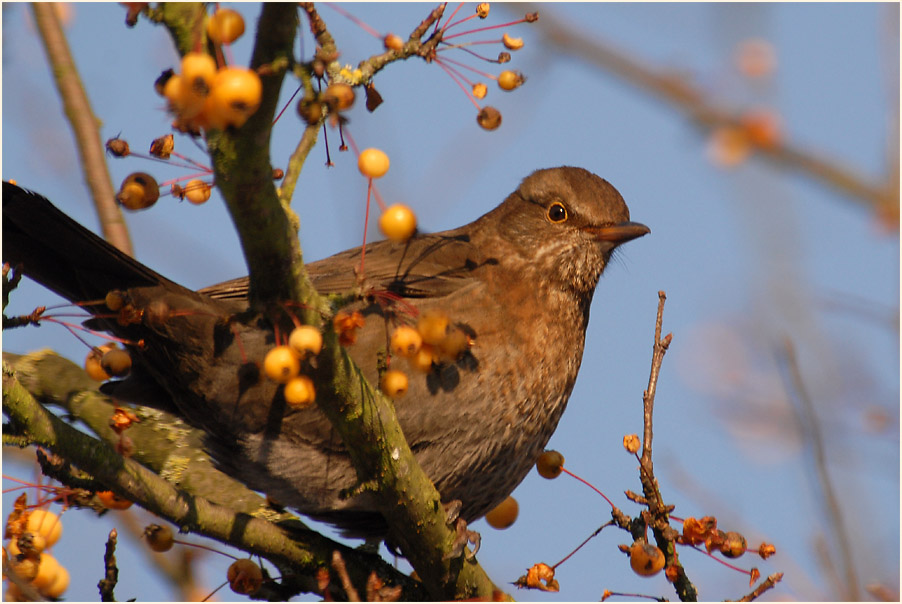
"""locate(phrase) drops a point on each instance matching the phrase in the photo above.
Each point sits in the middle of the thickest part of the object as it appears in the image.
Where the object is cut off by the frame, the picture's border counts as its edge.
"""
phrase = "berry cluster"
(282, 364)
(31, 534)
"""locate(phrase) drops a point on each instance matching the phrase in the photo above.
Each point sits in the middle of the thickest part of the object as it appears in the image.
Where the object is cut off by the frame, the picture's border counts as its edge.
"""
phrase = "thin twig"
(81, 117)
(812, 431)
(111, 572)
(658, 511)
(763, 587)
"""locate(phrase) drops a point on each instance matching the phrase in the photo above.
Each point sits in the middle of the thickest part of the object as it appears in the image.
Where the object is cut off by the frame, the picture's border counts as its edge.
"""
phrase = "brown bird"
(516, 285)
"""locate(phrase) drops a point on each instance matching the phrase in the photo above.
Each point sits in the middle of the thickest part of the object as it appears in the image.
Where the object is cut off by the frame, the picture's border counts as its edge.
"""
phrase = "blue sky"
(747, 257)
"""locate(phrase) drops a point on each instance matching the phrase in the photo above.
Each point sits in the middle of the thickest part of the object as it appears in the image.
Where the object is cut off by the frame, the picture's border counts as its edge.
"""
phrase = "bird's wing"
(427, 266)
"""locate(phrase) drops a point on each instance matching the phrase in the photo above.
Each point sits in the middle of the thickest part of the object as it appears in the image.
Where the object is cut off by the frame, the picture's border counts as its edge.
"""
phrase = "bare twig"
(762, 587)
(811, 430)
(111, 573)
(658, 511)
(78, 111)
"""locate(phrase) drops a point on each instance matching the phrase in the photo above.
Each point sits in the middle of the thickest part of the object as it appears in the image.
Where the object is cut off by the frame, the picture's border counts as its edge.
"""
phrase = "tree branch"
(81, 118)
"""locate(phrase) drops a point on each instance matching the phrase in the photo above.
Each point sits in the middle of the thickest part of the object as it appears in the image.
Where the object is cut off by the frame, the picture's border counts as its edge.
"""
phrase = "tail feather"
(62, 255)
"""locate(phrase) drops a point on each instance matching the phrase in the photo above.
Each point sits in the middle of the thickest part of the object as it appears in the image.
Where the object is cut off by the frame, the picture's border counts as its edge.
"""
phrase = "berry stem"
(590, 485)
(451, 72)
(486, 28)
(465, 66)
(359, 22)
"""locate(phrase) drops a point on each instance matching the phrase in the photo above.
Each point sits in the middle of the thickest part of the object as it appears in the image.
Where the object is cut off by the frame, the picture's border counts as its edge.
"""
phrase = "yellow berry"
(424, 359)
(139, 190)
(244, 576)
(508, 80)
(453, 344)
(281, 364)
(46, 524)
(197, 191)
(59, 585)
(480, 90)
(373, 163)
(306, 339)
(48, 570)
(405, 341)
(550, 464)
(645, 559)
(512, 43)
(433, 326)
(504, 514)
(198, 71)
(225, 26)
(394, 383)
(398, 223)
(235, 96)
(299, 391)
(482, 10)
(159, 537)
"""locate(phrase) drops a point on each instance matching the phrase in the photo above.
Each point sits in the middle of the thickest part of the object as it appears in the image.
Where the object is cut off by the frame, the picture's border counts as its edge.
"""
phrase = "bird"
(517, 282)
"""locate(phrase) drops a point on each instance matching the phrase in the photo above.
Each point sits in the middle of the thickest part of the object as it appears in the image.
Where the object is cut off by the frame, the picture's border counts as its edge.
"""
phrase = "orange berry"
(728, 146)
(550, 464)
(508, 80)
(393, 42)
(225, 26)
(197, 191)
(373, 163)
(405, 341)
(198, 71)
(339, 97)
(139, 190)
(244, 576)
(299, 391)
(159, 537)
(45, 523)
(281, 364)
(112, 501)
(504, 514)
(234, 97)
(482, 10)
(306, 339)
(398, 223)
(631, 443)
(645, 559)
(394, 383)
(433, 325)
(93, 367)
(480, 90)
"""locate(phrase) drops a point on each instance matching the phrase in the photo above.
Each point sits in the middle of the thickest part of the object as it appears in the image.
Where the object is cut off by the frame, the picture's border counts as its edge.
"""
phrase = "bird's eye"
(557, 212)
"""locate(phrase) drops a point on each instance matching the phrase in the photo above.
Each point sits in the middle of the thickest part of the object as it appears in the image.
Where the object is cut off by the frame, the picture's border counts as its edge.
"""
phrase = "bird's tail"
(62, 255)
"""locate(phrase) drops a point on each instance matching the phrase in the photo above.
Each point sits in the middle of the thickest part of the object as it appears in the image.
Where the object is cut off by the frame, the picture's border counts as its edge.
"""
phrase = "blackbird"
(516, 283)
